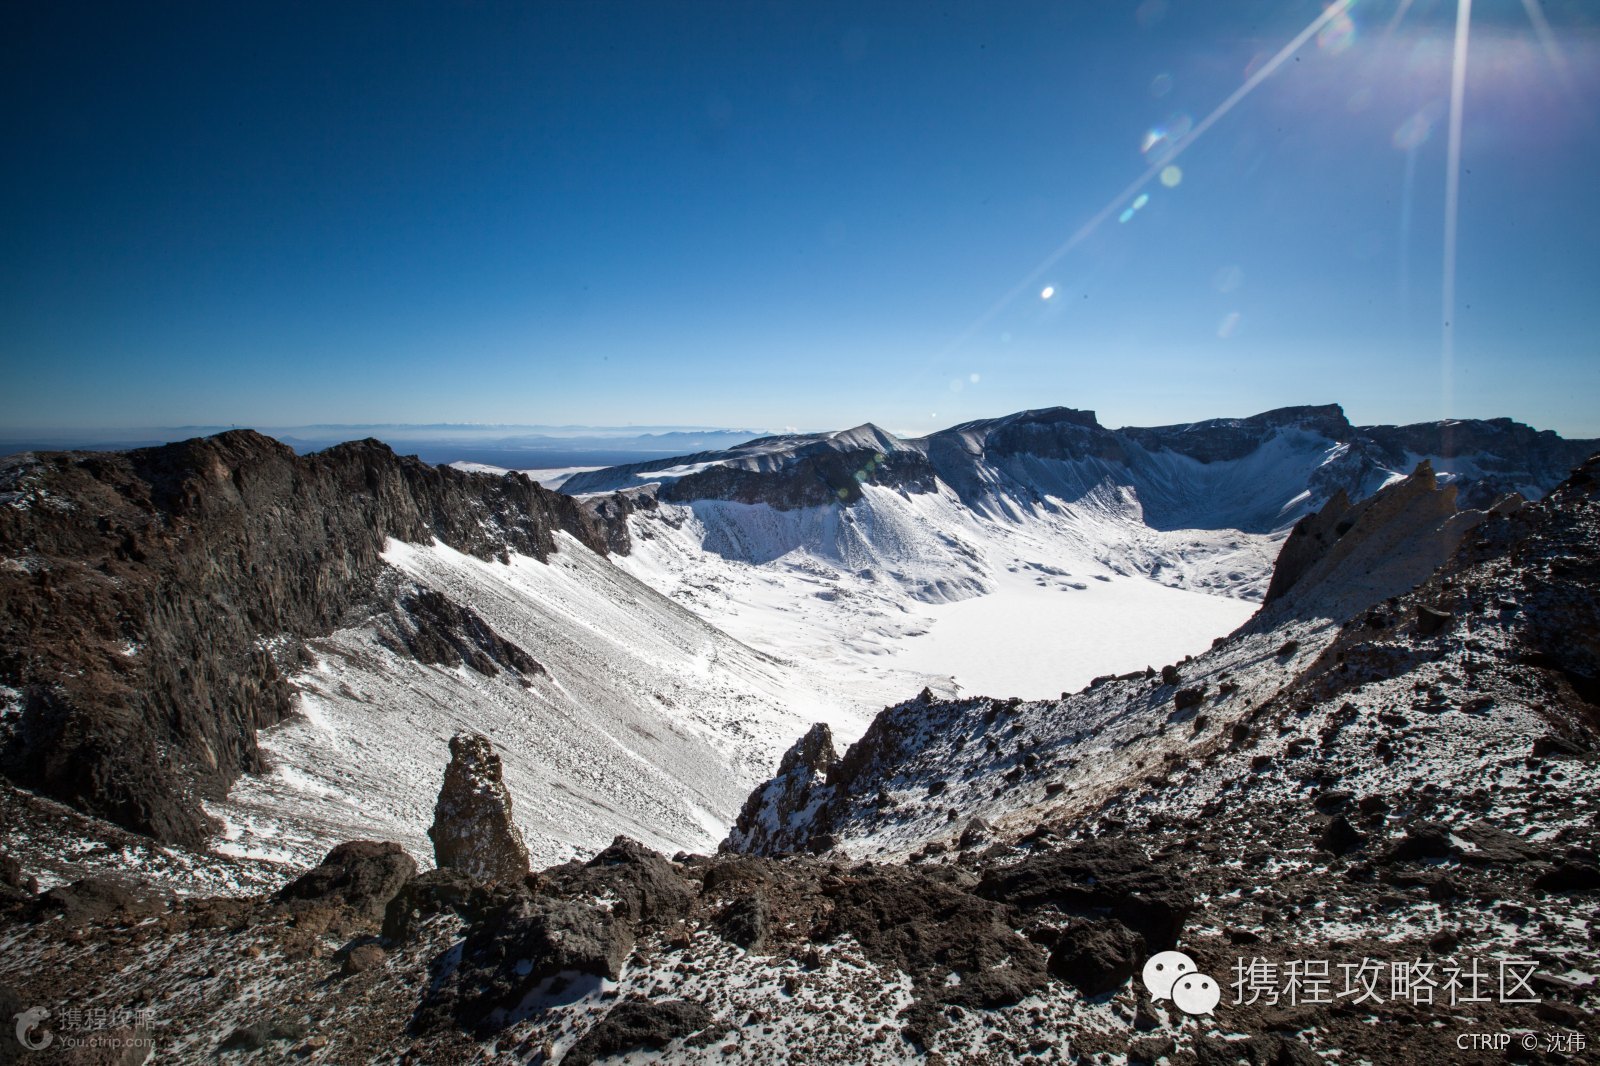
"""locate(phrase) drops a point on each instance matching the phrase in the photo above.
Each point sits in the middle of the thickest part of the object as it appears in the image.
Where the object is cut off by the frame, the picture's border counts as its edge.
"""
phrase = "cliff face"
(152, 601)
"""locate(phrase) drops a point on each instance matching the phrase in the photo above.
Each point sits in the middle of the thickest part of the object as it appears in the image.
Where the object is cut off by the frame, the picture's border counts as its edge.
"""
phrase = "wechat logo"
(1173, 975)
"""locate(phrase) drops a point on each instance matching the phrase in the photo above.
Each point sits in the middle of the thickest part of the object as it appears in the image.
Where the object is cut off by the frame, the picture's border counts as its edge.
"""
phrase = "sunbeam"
(1552, 48)
(1452, 202)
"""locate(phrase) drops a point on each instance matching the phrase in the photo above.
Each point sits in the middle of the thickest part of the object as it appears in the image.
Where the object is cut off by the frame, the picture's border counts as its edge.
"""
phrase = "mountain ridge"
(980, 459)
(145, 597)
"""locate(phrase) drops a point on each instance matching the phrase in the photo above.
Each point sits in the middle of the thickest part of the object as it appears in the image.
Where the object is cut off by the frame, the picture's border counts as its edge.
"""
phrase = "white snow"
(650, 722)
(907, 586)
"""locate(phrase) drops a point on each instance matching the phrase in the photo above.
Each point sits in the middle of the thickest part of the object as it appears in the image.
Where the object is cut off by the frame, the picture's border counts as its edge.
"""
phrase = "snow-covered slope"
(921, 583)
(644, 719)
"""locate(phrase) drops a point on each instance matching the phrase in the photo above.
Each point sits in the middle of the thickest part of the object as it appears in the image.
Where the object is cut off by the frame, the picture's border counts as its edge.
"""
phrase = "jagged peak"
(867, 435)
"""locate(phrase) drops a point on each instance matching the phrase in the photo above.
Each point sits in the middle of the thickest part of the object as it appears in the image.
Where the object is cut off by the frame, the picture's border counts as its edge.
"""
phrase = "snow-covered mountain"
(224, 645)
(1090, 550)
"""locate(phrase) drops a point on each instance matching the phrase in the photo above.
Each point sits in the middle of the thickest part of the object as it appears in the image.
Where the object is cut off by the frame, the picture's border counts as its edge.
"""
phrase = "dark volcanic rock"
(257, 1035)
(928, 928)
(430, 893)
(646, 886)
(1431, 620)
(133, 626)
(1422, 840)
(1339, 837)
(361, 876)
(472, 826)
(432, 628)
(1096, 878)
(638, 1023)
(14, 887)
(1569, 876)
(1097, 957)
(99, 899)
(746, 921)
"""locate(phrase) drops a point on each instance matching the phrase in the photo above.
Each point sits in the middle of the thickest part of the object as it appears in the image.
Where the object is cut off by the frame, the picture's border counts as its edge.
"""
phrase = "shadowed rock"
(1096, 957)
(638, 1023)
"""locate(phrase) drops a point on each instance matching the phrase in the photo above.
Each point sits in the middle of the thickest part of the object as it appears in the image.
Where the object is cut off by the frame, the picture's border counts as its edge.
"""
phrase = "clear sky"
(793, 214)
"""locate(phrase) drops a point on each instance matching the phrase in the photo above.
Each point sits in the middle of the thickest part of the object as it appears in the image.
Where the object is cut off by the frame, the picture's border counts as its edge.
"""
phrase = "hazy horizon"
(533, 435)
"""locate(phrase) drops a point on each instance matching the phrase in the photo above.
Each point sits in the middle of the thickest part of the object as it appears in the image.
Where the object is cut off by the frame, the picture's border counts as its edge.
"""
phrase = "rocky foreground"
(1374, 824)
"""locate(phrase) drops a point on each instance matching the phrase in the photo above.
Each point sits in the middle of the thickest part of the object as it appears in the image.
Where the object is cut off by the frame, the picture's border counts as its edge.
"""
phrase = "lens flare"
(1413, 132)
(1229, 323)
(1338, 35)
(1143, 198)
(1227, 279)
(1171, 176)
(1160, 140)
(1047, 292)
(1151, 12)
(1259, 70)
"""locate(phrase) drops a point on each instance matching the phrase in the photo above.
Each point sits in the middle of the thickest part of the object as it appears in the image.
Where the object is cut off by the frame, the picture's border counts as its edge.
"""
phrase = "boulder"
(638, 1023)
(515, 948)
(1339, 837)
(646, 886)
(360, 876)
(746, 921)
(430, 893)
(100, 899)
(1423, 840)
(1096, 878)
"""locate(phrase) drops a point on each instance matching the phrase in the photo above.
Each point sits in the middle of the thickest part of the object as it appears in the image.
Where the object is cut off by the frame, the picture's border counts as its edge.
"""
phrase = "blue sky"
(790, 214)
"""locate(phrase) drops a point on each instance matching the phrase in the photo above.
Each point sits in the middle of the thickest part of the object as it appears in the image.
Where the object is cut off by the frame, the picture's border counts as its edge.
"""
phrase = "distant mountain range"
(1256, 474)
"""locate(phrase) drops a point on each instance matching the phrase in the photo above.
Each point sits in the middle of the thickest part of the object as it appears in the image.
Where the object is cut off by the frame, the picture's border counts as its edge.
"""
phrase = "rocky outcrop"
(788, 813)
(152, 601)
(583, 922)
(473, 830)
(432, 628)
(1348, 556)
(637, 1023)
(529, 941)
